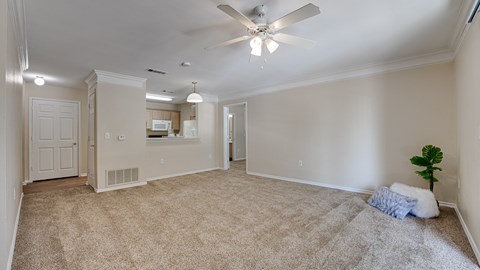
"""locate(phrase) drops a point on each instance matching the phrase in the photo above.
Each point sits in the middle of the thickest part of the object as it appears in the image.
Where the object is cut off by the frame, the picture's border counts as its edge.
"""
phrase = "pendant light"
(194, 97)
(39, 81)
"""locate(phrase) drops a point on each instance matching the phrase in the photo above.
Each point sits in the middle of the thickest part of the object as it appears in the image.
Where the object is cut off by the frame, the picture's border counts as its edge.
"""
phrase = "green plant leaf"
(436, 169)
(426, 150)
(420, 161)
(425, 174)
(435, 179)
(432, 153)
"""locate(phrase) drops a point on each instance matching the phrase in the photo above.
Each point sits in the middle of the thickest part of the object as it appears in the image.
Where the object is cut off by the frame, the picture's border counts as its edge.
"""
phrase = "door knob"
(74, 143)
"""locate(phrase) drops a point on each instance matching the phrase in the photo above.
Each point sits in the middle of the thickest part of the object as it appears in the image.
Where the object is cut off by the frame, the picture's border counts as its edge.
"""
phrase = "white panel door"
(54, 139)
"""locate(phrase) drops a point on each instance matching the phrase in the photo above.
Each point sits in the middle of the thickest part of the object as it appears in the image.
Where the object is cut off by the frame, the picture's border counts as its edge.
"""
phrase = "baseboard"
(181, 174)
(239, 159)
(14, 237)
(83, 175)
(469, 235)
(26, 182)
(100, 190)
(313, 183)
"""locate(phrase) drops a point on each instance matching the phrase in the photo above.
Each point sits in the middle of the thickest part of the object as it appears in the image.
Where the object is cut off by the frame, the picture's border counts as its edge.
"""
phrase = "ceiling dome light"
(271, 45)
(39, 81)
(194, 97)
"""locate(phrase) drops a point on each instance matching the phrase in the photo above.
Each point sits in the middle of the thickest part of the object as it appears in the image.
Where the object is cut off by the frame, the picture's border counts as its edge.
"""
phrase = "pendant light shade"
(194, 97)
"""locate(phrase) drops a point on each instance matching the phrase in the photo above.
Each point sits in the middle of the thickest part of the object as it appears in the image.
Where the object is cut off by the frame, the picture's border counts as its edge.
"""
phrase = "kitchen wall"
(61, 93)
(11, 134)
(240, 142)
(121, 110)
(358, 133)
(467, 66)
(181, 157)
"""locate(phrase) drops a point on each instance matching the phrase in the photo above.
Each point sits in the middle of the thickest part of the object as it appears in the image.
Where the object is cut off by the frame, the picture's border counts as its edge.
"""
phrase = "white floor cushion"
(426, 206)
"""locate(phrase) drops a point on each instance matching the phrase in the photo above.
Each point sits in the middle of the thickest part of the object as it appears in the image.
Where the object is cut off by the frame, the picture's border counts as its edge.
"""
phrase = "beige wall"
(59, 93)
(120, 110)
(186, 156)
(467, 67)
(11, 132)
(358, 133)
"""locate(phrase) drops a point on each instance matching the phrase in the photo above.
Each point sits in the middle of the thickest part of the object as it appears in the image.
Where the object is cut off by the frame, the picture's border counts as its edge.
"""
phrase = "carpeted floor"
(228, 220)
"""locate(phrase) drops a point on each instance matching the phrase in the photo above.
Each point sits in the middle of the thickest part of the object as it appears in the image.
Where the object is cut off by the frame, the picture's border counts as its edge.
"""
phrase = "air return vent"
(156, 71)
(124, 176)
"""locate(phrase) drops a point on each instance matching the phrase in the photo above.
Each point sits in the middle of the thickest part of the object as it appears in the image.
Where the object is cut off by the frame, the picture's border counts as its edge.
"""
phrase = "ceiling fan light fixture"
(272, 46)
(194, 97)
(256, 42)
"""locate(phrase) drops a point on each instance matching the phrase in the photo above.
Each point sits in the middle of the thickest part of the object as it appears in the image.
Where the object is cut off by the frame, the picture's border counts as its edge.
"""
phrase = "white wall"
(239, 123)
(467, 67)
(62, 93)
(11, 166)
(358, 133)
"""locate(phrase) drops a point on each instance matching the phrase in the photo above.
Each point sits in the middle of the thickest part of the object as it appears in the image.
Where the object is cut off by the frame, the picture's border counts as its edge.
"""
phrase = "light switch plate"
(107, 135)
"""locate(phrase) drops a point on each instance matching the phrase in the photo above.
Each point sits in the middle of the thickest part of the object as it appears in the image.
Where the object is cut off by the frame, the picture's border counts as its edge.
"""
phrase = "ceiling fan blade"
(298, 15)
(294, 40)
(228, 42)
(237, 16)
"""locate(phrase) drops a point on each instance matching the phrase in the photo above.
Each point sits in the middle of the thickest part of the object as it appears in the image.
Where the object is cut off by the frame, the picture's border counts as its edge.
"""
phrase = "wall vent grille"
(123, 176)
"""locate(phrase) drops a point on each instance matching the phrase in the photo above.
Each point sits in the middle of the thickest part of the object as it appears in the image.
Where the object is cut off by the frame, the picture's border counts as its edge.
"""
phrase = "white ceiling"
(68, 39)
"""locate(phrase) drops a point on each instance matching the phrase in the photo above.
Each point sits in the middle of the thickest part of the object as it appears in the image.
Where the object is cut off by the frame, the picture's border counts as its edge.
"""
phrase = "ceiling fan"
(260, 31)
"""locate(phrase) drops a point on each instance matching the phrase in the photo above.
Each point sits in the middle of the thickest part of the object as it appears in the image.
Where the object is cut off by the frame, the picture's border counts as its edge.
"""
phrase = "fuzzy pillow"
(392, 203)
(426, 204)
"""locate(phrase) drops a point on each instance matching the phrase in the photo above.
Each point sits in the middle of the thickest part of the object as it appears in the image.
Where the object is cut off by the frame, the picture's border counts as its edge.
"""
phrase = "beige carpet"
(228, 220)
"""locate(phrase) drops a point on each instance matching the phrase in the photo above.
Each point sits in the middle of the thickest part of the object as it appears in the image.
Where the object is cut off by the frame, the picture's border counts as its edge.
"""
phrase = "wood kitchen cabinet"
(173, 116)
(149, 119)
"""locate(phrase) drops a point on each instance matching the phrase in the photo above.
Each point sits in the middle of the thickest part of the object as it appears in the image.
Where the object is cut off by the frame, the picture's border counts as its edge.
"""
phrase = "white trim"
(17, 10)
(114, 78)
(100, 190)
(30, 129)
(460, 28)
(225, 156)
(239, 159)
(181, 174)
(83, 175)
(14, 237)
(439, 57)
(469, 235)
(234, 136)
(26, 182)
(313, 183)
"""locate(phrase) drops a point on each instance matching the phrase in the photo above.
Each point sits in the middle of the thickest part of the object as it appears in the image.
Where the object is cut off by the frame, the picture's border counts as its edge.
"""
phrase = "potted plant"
(431, 155)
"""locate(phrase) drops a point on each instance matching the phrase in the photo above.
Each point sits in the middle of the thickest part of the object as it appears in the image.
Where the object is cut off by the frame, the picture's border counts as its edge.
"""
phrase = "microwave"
(161, 125)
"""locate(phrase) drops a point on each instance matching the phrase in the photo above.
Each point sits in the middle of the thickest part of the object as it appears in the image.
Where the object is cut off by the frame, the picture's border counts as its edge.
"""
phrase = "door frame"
(226, 110)
(234, 137)
(30, 129)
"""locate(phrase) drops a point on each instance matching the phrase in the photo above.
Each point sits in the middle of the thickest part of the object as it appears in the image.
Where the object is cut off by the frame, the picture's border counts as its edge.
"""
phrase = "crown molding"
(462, 26)
(439, 57)
(114, 78)
(16, 9)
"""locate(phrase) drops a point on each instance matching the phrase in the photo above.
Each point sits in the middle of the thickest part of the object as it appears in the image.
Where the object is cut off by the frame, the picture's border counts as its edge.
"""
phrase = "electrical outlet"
(162, 161)
(300, 163)
(107, 135)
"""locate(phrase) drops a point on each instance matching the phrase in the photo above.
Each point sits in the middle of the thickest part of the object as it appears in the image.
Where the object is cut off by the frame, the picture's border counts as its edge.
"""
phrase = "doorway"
(54, 137)
(235, 135)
